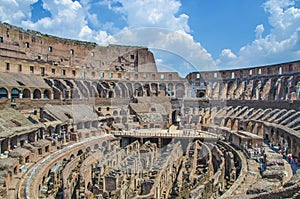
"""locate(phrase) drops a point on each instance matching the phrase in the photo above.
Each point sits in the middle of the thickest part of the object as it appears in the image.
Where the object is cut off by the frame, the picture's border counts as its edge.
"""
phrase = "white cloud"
(152, 13)
(280, 45)
(158, 25)
(259, 30)
(68, 19)
(178, 43)
(14, 11)
(71, 19)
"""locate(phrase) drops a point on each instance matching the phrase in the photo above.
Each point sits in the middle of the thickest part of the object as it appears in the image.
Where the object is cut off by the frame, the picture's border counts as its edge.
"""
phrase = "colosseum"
(79, 120)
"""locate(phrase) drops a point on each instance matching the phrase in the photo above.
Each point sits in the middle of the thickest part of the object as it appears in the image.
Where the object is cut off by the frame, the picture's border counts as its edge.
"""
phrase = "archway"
(117, 91)
(3, 93)
(170, 89)
(37, 94)
(110, 94)
(124, 92)
(162, 88)
(154, 88)
(26, 93)
(138, 89)
(235, 125)
(179, 90)
(15, 93)
(47, 94)
(228, 124)
(79, 152)
(130, 89)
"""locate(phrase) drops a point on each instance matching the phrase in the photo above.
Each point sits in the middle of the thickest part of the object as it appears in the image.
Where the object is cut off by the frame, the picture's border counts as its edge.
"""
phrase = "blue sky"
(184, 35)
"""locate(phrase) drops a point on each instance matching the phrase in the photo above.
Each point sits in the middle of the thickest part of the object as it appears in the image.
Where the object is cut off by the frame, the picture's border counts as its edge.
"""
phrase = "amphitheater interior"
(79, 120)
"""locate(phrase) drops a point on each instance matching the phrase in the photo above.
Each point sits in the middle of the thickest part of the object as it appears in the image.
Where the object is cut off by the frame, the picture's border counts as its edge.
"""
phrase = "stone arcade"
(78, 120)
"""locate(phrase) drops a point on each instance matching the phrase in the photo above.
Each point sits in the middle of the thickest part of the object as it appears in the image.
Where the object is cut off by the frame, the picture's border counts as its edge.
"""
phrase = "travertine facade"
(194, 137)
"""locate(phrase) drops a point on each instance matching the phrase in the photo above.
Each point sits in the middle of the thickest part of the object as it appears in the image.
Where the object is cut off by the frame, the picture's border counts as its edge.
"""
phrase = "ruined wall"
(31, 52)
(275, 82)
(270, 70)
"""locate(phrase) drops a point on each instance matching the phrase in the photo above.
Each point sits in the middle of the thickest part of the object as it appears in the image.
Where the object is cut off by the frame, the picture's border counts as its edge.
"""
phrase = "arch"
(162, 87)
(147, 89)
(117, 91)
(102, 90)
(56, 93)
(96, 146)
(110, 94)
(3, 93)
(154, 88)
(15, 93)
(26, 93)
(47, 94)
(37, 94)
(124, 90)
(115, 113)
(170, 89)
(179, 89)
(138, 90)
(79, 152)
(88, 149)
(72, 156)
(229, 123)
(130, 89)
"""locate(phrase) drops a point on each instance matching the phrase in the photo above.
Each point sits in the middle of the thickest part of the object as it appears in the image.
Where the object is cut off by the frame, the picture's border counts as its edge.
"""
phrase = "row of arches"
(277, 88)
(70, 89)
(24, 93)
(274, 135)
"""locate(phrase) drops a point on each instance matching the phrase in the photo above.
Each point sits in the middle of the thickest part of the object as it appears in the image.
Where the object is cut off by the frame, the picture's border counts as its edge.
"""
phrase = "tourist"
(289, 158)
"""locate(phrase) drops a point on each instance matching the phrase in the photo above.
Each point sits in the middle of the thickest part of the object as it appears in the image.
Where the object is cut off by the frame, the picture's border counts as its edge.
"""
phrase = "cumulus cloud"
(157, 24)
(68, 18)
(281, 44)
(14, 11)
(176, 43)
(259, 30)
(151, 13)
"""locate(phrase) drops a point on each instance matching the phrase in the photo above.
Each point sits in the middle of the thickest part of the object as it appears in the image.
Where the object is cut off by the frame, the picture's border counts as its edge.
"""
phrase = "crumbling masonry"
(79, 120)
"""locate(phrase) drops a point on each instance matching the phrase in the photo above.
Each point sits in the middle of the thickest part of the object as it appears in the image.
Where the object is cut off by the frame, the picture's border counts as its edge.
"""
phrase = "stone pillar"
(8, 144)
(141, 141)
(18, 141)
(159, 142)
(9, 94)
